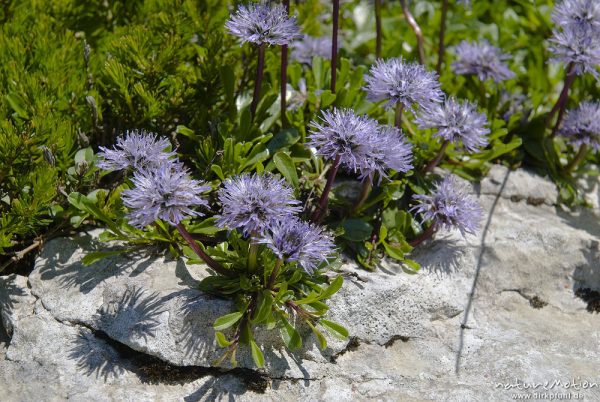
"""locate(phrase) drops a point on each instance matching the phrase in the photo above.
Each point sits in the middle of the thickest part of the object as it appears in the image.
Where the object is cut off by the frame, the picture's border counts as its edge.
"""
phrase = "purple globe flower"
(450, 206)
(260, 24)
(391, 150)
(163, 192)
(343, 134)
(457, 122)
(304, 50)
(579, 45)
(138, 149)
(294, 240)
(578, 13)
(483, 60)
(397, 81)
(582, 125)
(253, 203)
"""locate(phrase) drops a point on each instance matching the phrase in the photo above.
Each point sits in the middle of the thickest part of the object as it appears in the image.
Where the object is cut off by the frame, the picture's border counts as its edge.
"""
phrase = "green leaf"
(334, 329)
(222, 340)
(357, 230)
(287, 168)
(283, 139)
(333, 288)
(257, 354)
(264, 308)
(319, 335)
(393, 251)
(84, 155)
(206, 227)
(96, 256)
(290, 336)
(183, 130)
(82, 203)
(227, 320)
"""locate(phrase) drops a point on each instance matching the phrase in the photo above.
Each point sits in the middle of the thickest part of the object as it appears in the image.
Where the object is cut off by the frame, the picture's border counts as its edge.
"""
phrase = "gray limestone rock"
(517, 304)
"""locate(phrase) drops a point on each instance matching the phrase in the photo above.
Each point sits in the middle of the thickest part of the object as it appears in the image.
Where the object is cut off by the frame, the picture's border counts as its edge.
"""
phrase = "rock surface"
(518, 304)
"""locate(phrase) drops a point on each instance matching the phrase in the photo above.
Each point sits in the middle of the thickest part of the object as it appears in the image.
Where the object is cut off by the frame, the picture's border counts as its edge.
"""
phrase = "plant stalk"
(322, 206)
(334, 43)
(200, 253)
(416, 29)
(561, 103)
(284, 63)
(258, 81)
(378, 33)
(398, 116)
(579, 157)
(440, 155)
(426, 234)
(365, 190)
(442, 37)
(274, 273)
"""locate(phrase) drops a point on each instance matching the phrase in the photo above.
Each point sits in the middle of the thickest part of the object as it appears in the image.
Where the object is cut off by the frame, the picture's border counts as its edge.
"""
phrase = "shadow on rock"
(96, 357)
(441, 257)
(131, 311)
(57, 267)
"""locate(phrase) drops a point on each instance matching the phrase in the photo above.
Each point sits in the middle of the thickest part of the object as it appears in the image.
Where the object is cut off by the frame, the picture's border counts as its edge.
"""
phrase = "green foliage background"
(76, 74)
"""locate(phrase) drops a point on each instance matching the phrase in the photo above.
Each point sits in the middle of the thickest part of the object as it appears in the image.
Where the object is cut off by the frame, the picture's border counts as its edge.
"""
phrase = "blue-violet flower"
(398, 81)
(450, 206)
(582, 125)
(254, 203)
(260, 23)
(163, 192)
(483, 60)
(457, 122)
(138, 149)
(295, 240)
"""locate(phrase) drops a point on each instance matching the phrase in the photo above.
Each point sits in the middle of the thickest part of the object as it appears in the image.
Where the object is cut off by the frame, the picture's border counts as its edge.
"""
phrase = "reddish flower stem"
(440, 155)
(200, 253)
(258, 81)
(334, 43)
(322, 206)
(416, 29)
(442, 37)
(426, 234)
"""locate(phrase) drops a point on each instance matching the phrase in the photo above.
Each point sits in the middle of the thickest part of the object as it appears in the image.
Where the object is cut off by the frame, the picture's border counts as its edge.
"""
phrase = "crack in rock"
(534, 301)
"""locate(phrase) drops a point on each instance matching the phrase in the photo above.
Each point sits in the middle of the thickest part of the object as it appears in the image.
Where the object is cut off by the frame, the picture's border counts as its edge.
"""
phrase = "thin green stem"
(435, 161)
(579, 157)
(365, 190)
(274, 273)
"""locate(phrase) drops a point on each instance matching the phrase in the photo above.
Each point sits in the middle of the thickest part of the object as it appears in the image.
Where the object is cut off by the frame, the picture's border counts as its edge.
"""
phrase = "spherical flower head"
(582, 125)
(579, 45)
(138, 149)
(304, 50)
(344, 135)
(391, 150)
(294, 240)
(457, 122)
(578, 13)
(163, 192)
(260, 23)
(253, 203)
(483, 60)
(397, 81)
(450, 206)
